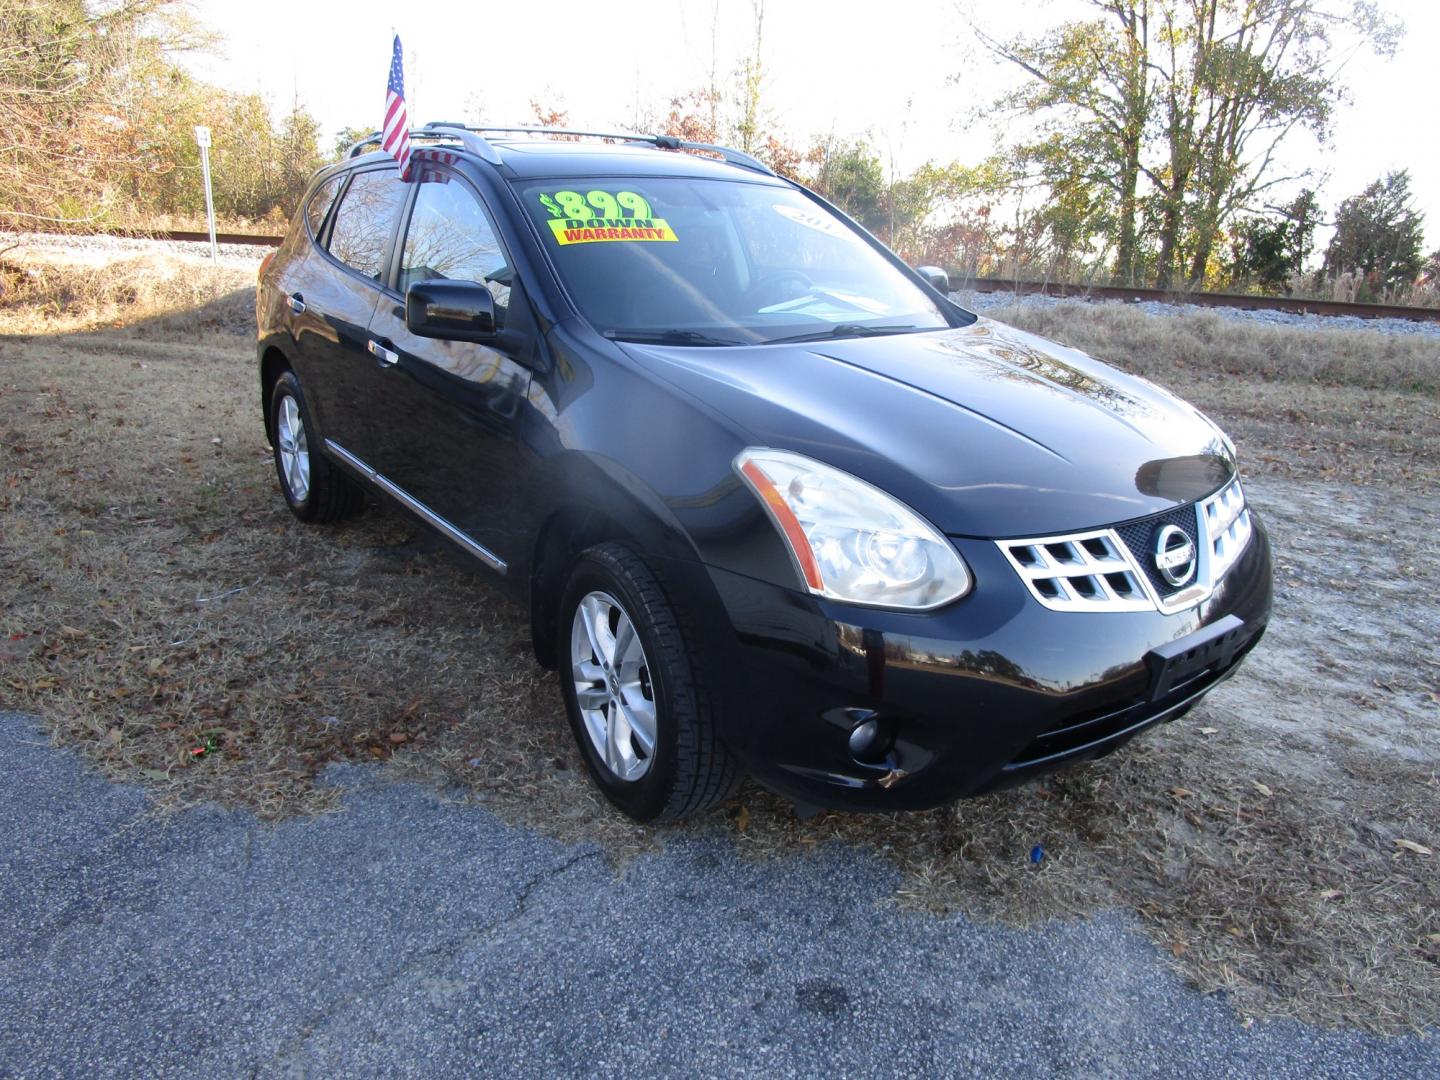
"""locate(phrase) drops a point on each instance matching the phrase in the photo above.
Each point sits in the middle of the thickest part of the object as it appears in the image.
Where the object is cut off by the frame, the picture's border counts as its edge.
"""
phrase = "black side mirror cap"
(453, 310)
(939, 280)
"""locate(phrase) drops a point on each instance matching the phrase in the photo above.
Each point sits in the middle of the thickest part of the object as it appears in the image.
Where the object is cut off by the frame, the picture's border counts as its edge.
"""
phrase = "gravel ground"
(991, 302)
(408, 935)
(99, 250)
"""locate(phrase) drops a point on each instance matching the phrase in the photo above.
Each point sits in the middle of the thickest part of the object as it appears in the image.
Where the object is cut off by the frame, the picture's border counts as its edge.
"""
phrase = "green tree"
(345, 138)
(1379, 235)
(1430, 272)
(1092, 88)
(849, 174)
(1263, 69)
(90, 94)
(1184, 105)
(1271, 251)
(750, 126)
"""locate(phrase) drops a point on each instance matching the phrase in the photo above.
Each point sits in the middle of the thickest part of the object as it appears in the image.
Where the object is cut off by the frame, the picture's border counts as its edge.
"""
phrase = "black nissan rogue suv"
(775, 504)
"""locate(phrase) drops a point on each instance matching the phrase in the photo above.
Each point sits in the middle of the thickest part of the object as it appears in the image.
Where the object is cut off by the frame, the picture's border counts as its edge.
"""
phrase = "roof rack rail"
(467, 139)
(622, 136)
(470, 138)
(729, 153)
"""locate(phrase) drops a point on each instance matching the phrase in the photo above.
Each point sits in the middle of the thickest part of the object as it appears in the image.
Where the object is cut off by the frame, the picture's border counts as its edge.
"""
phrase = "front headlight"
(850, 541)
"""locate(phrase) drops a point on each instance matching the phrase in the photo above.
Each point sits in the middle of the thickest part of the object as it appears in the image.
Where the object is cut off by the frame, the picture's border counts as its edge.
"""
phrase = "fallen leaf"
(1263, 789)
(1181, 792)
(398, 737)
(1208, 730)
(742, 821)
(1236, 932)
(1178, 949)
(1329, 894)
(1411, 845)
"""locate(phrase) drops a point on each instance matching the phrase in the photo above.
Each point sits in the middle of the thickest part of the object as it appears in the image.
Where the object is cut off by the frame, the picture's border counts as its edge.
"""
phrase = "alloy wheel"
(612, 686)
(294, 449)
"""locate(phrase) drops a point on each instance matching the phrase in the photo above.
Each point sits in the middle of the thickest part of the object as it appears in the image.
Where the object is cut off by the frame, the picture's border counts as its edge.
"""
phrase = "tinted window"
(450, 236)
(364, 219)
(320, 203)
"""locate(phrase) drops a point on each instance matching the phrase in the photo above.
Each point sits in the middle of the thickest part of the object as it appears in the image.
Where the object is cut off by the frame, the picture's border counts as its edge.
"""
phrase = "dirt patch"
(165, 615)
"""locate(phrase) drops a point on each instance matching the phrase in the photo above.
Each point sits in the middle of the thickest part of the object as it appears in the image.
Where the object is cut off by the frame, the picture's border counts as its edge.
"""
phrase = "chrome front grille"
(1079, 572)
(1101, 570)
(1227, 525)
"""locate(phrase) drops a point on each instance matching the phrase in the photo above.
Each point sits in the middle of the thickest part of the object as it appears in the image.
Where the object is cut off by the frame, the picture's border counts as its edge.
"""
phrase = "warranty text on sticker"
(591, 230)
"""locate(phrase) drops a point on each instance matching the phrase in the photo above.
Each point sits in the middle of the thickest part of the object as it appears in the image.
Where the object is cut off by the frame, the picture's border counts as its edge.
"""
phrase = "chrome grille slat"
(1036, 564)
(1077, 578)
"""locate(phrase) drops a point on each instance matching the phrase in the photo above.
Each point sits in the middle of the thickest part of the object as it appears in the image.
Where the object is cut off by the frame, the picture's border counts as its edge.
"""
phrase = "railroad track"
(1293, 305)
(183, 236)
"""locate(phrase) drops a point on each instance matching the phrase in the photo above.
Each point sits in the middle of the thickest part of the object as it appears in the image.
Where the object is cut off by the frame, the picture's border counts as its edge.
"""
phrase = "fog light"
(864, 738)
(871, 740)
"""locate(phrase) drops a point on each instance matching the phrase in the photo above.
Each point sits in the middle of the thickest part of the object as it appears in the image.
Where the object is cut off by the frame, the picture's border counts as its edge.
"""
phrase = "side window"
(450, 236)
(320, 203)
(363, 221)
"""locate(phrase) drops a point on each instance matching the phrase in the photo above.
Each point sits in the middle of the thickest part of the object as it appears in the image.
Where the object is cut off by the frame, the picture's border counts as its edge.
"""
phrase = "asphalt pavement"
(409, 935)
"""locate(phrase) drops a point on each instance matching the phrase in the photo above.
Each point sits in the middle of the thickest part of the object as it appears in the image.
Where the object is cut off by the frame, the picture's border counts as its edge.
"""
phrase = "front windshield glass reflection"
(717, 262)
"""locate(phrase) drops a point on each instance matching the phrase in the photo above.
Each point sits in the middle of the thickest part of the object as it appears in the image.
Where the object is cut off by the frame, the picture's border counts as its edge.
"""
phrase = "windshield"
(718, 262)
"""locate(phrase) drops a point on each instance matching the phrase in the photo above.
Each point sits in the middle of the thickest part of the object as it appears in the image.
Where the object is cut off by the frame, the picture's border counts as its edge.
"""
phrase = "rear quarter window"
(364, 220)
(320, 202)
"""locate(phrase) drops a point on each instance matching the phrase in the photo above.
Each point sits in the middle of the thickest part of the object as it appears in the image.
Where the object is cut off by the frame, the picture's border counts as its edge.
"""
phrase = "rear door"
(336, 298)
(446, 415)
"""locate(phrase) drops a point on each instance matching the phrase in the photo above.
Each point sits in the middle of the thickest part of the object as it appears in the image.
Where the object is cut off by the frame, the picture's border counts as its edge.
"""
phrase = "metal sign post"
(202, 137)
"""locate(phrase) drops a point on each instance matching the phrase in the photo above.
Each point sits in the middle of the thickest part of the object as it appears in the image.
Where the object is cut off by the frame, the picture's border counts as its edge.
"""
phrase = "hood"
(985, 430)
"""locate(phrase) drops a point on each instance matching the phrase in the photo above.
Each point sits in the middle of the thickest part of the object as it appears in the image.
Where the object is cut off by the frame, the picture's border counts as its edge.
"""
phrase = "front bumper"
(985, 693)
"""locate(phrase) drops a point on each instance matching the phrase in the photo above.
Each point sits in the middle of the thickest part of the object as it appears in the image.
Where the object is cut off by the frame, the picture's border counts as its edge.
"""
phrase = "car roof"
(529, 158)
(525, 159)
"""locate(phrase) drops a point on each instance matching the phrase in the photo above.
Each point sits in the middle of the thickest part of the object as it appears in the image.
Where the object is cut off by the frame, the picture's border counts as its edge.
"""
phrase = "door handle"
(386, 357)
(297, 305)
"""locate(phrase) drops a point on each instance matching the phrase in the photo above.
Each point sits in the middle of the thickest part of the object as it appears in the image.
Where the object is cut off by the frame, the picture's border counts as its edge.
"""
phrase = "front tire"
(634, 691)
(315, 489)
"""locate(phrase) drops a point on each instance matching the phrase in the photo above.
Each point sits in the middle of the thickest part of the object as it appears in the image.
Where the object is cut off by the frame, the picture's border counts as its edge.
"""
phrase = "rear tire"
(315, 489)
(638, 702)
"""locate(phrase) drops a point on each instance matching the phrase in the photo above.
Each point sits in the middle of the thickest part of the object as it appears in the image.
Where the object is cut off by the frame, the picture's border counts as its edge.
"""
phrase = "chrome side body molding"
(451, 531)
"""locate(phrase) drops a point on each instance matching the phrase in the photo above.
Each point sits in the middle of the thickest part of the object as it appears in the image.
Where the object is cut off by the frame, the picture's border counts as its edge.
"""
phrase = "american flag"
(395, 135)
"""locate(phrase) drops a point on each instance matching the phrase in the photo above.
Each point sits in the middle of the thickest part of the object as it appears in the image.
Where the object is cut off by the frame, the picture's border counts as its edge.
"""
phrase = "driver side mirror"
(939, 280)
(453, 310)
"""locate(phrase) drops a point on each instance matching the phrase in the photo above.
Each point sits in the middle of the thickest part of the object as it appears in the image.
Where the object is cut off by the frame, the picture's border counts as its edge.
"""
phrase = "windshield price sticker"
(603, 215)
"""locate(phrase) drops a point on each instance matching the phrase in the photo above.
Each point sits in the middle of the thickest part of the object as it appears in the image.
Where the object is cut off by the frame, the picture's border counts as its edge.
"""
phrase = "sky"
(905, 73)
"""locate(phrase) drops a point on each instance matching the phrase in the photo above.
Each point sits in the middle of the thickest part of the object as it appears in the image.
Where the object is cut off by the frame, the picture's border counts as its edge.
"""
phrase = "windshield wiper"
(850, 330)
(670, 337)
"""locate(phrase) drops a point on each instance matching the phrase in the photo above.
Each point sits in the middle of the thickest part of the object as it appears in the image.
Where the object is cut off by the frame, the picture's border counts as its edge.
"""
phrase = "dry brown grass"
(49, 297)
(1345, 405)
(168, 618)
(1203, 346)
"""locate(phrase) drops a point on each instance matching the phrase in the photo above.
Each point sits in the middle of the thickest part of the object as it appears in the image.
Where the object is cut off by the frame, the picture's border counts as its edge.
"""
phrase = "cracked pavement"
(411, 936)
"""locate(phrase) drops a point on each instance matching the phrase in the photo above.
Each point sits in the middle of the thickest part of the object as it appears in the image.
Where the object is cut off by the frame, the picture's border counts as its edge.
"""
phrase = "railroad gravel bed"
(97, 250)
(990, 302)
